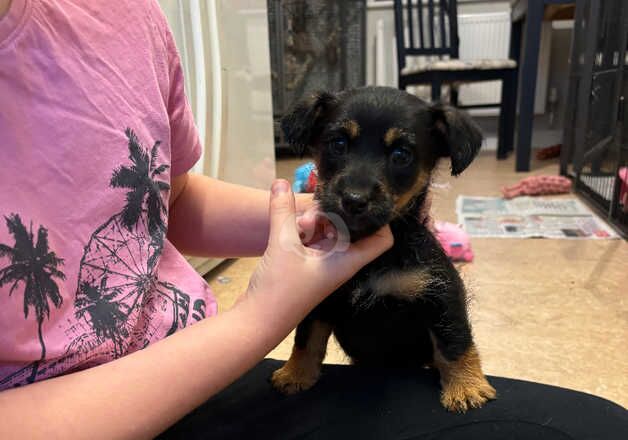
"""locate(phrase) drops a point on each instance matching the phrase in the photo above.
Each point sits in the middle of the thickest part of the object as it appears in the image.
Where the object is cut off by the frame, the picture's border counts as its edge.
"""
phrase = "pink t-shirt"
(93, 124)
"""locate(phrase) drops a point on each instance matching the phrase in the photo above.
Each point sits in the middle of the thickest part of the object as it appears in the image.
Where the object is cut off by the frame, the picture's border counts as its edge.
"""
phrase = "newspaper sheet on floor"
(528, 217)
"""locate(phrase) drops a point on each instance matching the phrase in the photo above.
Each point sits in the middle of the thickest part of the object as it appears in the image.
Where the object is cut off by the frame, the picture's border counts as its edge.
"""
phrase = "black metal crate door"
(314, 45)
(596, 138)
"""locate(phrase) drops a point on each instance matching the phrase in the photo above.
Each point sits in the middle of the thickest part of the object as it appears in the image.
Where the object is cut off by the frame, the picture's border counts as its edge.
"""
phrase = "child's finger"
(306, 224)
(305, 202)
(314, 226)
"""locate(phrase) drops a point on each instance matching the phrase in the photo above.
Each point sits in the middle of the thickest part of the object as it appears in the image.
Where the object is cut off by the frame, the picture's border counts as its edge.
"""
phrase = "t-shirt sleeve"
(184, 138)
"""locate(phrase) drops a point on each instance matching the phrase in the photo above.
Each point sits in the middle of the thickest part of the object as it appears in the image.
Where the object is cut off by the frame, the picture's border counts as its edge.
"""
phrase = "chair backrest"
(432, 28)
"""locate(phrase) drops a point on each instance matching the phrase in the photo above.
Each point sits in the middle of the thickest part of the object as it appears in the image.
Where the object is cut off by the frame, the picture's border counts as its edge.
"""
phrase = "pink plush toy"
(623, 190)
(454, 241)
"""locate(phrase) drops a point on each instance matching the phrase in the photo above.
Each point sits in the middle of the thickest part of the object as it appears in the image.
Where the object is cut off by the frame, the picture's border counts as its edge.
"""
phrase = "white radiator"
(483, 36)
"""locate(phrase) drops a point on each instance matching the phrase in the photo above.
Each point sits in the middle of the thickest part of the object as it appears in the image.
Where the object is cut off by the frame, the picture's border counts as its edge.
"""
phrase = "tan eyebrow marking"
(352, 127)
(392, 134)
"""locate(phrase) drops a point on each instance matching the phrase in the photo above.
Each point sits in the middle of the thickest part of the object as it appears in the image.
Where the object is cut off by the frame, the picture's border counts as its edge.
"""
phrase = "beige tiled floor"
(552, 311)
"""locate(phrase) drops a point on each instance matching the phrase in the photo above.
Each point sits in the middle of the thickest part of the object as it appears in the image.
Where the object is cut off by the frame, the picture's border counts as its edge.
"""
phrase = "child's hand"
(298, 276)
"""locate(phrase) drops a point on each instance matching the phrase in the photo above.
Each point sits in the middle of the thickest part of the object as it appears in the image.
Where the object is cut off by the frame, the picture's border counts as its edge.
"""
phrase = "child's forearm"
(215, 218)
(142, 394)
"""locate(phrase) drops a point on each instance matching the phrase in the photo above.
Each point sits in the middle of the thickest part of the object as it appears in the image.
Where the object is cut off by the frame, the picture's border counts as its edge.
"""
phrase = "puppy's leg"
(301, 371)
(463, 383)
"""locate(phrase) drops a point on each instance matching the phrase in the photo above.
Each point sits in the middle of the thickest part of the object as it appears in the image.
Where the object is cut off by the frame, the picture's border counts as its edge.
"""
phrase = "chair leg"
(512, 110)
(436, 91)
(507, 115)
(453, 94)
(502, 149)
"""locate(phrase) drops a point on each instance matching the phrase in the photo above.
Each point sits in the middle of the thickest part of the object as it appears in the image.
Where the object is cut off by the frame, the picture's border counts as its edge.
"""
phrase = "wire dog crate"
(595, 140)
(314, 45)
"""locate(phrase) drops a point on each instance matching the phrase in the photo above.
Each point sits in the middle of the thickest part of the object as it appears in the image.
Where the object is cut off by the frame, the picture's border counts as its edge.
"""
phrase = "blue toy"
(302, 177)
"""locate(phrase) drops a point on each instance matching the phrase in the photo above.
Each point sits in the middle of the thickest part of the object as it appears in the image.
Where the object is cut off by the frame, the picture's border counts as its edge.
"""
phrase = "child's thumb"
(283, 226)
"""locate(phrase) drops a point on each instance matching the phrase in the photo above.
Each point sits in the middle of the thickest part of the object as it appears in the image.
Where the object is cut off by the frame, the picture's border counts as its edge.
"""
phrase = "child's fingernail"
(280, 186)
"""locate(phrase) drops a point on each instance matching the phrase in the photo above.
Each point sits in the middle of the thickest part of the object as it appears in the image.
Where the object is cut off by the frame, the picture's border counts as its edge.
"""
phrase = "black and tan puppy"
(375, 149)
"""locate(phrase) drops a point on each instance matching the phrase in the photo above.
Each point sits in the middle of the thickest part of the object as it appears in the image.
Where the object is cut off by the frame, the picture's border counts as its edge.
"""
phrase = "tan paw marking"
(301, 371)
(289, 380)
(460, 396)
(464, 384)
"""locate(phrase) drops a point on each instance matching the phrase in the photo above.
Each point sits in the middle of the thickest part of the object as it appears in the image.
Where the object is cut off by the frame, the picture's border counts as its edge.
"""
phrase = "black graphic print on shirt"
(118, 278)
(32, 268)
(118, 292)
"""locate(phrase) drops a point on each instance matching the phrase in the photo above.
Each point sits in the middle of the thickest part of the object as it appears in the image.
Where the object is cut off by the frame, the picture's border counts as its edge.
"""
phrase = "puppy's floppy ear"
(457, 136)
(303, 124)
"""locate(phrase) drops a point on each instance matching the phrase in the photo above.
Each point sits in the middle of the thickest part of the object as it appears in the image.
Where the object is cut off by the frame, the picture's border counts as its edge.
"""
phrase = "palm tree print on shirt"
(106, 315)
(118, 277)
(145, 190)
(35, 266)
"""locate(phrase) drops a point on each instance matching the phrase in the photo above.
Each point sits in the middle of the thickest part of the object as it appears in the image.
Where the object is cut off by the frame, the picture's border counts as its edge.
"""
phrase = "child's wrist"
(271, 311)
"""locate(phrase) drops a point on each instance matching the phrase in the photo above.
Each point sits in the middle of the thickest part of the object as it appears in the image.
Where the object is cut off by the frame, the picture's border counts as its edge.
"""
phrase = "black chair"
(433, 32)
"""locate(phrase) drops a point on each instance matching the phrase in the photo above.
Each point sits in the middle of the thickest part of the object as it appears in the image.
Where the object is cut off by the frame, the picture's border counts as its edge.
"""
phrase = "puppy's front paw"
(459, 396)
(289, 380)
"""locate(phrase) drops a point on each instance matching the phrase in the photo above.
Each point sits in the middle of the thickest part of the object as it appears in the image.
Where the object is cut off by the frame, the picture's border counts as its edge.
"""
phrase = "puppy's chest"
(403, 274)
(393, 283)
(414, 266)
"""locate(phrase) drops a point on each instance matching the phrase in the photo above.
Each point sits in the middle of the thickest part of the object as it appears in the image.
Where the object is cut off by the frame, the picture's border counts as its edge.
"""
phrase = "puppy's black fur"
(375, 150)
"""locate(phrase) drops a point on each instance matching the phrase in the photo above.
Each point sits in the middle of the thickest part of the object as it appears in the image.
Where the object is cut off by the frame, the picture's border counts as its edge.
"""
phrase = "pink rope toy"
(538, 185)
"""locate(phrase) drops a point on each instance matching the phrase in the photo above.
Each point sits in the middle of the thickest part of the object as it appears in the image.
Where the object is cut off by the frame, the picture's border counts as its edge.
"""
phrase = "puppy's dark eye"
(401, 157)
(338, 147)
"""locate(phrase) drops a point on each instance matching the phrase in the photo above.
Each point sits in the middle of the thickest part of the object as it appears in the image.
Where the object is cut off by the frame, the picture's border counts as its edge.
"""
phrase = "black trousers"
(351, 402)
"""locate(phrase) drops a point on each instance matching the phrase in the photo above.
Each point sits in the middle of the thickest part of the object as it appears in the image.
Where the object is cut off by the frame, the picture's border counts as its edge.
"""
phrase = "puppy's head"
(375, 149)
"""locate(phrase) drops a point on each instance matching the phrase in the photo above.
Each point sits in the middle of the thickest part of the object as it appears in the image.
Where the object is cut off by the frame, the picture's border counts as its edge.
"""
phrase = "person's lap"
(354, 402)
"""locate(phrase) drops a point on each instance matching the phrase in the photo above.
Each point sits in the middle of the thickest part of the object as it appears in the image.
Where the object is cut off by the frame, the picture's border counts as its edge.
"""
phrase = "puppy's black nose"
(354, 202)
